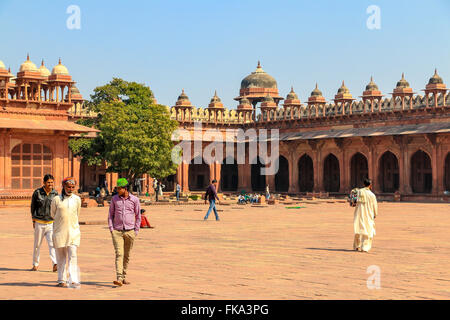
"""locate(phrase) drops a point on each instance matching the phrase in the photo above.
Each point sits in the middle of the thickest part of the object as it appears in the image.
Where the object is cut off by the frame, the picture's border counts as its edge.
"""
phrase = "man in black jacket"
(42, 220)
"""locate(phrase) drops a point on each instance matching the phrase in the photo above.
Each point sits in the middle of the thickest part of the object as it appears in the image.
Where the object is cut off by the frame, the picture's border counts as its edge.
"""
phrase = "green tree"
(135, 133)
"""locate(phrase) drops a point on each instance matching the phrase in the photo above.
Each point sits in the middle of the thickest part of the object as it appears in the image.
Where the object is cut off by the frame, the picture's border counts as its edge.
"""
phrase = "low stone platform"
(265, 252)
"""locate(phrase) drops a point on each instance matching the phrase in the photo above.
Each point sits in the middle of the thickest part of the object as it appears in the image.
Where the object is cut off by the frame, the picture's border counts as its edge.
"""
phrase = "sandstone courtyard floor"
(268, 252)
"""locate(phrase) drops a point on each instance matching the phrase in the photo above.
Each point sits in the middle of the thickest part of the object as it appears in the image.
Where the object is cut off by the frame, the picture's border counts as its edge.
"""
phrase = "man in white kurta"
(65, 210)
(364, 220)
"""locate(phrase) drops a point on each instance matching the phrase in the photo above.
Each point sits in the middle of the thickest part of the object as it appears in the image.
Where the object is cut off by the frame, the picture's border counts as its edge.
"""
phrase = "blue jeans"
(212, 206)
(178, 195)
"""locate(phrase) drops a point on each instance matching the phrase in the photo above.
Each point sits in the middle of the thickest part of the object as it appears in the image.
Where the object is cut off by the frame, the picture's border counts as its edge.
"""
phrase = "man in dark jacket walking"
(42, 220)
(211, 195)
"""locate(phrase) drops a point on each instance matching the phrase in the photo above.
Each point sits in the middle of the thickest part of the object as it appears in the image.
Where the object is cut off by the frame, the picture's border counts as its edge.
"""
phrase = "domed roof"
(292, 95)
(435, 79)
(371, 86)
(259, 79)
(60, 69)
(268, 98)
(402, 83)
(215, 99)
(343, 88)
(183, 96)
(316, 92)
(43, 70)
(74, 90)
(28, 65)
(2, 65)
(244, 101)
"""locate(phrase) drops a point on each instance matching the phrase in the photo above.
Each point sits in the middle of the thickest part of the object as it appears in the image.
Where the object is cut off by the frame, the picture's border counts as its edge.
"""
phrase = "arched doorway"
(421, 173)
(282, 176)
(359, 170)
(331, 174)
(389, 173)
(447, 172)
(29, 164)
(305, 174)
(198, 175)
(229, 175)
(169, 183)
(258, 180)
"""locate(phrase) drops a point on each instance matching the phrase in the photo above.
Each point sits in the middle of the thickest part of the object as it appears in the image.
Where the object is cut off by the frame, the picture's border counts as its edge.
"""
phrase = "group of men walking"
(55, 217)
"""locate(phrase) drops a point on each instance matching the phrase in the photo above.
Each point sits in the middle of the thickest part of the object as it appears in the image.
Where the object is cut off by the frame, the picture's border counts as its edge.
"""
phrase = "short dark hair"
(367, 182)
(48, 177)
(214, 181)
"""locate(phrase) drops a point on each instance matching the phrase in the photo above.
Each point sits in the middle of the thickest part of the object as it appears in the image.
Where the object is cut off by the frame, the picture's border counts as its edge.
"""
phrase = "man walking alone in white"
(65, 210)
(364, 220)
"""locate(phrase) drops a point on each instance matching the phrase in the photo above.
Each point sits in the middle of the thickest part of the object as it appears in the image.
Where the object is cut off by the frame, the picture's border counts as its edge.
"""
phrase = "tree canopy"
(135, 133)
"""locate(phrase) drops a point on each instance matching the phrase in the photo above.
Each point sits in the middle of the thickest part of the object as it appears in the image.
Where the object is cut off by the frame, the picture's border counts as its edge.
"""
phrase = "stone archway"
(305, 174)
(389, 173)
(421, 172)
(258, 180)
(331, 173)
(447, 173)
(229, 175)
(198, 175)
(359, 170)
(169, 183)
(282, 176)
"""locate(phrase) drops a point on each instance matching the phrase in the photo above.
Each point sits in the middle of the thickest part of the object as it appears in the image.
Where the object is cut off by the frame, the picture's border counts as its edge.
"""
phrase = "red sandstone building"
(35, 127)
(402, 142)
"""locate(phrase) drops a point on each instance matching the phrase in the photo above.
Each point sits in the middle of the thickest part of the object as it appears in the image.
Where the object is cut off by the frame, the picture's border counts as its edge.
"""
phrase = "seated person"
(144, 221)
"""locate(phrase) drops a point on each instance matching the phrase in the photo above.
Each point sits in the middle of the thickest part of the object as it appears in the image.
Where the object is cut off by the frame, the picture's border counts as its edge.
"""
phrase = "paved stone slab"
(258, 253)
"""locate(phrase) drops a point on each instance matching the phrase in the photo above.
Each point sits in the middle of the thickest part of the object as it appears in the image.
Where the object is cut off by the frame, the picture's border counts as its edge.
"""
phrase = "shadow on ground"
(330, 249)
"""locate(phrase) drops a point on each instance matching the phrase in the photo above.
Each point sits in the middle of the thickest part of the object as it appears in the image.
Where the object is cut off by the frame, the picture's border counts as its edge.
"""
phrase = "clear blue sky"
(206, 45)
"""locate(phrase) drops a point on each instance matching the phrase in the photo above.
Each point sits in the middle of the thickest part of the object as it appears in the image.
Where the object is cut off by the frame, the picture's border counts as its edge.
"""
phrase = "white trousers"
(67, 264)
(42, 230)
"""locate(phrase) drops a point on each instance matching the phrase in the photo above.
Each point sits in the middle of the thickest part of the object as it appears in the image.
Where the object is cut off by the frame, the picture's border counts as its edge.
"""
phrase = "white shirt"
(65, 212)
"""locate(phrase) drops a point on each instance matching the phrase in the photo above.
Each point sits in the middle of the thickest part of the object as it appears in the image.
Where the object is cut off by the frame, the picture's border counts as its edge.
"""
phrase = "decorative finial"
(59, 61)
(42, 63)
(215, 93)
(371, 79)
(316, 86)
(343, 84)
(28, 57)
(259, 64)
(435, 71)
(292, 89)
(403, 76)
